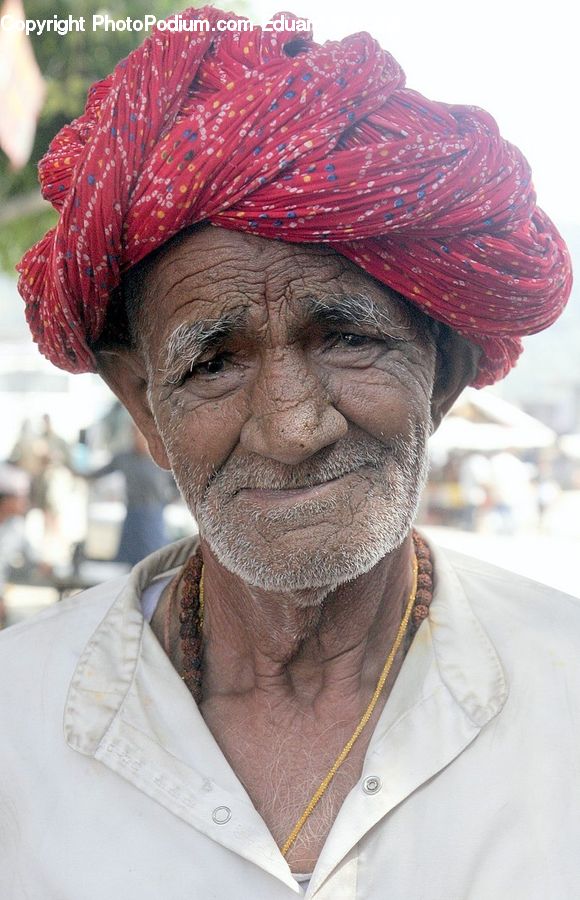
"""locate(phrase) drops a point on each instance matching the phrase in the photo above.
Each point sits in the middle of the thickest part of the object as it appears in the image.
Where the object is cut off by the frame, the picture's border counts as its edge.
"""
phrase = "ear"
(456, 367)
(125, 373)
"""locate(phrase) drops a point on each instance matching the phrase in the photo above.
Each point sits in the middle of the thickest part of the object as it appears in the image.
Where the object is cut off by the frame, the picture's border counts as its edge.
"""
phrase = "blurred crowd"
(70, 509)
(499, 492)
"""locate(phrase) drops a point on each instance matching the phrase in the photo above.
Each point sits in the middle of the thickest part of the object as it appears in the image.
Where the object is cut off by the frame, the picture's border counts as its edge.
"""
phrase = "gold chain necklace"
(324, 784)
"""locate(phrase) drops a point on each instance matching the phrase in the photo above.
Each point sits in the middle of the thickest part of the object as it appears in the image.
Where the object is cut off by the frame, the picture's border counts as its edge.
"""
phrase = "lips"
(270, 496)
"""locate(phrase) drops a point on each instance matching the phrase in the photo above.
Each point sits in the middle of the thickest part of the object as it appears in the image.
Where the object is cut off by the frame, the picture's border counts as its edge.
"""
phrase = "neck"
(305, 647)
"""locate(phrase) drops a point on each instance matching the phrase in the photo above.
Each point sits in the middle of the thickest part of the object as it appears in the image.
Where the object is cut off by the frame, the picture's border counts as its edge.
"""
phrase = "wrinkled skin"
(299, 445)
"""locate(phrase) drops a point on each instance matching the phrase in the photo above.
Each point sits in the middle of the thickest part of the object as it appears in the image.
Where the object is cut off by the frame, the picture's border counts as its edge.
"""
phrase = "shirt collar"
(108, 663)
(467, 661)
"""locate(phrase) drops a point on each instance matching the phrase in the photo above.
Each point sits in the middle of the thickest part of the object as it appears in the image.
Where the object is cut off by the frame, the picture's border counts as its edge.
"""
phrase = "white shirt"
(113, 788)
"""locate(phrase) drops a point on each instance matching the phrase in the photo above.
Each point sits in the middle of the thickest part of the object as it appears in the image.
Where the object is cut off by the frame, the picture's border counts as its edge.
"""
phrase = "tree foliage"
(70, 64)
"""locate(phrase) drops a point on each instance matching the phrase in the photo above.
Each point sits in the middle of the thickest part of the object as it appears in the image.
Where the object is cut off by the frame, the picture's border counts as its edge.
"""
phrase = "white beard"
(260, 547)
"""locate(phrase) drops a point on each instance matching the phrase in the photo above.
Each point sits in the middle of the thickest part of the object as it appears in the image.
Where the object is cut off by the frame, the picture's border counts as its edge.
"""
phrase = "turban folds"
(270, 133)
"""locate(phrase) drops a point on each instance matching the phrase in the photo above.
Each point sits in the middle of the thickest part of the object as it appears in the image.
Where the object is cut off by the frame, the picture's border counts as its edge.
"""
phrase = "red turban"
(271, 133)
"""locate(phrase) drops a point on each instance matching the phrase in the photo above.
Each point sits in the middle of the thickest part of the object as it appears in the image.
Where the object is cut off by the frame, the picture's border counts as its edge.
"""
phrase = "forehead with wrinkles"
(212, 278)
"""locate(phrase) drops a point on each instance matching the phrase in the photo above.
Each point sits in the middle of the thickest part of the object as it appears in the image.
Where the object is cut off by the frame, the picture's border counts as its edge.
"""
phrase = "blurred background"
(80, 499)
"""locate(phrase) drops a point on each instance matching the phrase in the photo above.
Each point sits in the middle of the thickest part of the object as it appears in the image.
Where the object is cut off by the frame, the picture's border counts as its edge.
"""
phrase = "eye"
(349, 339)
(213, 366)
(217, 365)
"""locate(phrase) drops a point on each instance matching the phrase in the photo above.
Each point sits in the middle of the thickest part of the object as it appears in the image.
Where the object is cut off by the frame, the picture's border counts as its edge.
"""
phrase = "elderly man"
(287, 266)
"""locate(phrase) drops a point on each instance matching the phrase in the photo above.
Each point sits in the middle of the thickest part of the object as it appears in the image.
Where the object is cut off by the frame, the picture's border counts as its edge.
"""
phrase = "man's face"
(292, 395)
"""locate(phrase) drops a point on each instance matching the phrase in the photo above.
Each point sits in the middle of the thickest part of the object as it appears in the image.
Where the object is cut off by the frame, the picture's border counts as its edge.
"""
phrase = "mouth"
(269, 496)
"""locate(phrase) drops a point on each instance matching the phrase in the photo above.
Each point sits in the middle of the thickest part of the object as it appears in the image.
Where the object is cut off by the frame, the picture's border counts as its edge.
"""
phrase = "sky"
(517, 59)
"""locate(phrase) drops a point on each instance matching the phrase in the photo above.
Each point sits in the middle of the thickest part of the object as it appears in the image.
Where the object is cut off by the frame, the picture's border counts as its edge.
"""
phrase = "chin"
(290, 561)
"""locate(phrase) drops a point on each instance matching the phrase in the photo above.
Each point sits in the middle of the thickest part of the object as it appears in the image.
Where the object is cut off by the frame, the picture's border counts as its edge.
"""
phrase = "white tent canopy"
(481, 421)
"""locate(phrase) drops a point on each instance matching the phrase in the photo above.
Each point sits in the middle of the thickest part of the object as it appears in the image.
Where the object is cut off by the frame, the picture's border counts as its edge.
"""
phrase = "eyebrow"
(191, 340)
(359, 310)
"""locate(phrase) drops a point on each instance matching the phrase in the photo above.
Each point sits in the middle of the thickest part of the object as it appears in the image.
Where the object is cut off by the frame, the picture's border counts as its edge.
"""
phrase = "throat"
(247, 641)
(298, 647)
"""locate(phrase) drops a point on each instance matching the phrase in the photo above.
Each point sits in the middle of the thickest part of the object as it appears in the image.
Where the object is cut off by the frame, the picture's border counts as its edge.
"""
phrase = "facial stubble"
(277, 549)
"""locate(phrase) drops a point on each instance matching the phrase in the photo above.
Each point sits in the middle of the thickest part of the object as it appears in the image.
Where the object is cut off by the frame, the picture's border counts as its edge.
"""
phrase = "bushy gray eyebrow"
(358, 310)
(191, 340)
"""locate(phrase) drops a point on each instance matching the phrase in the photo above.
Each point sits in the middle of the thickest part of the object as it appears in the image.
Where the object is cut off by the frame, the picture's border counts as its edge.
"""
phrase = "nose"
(291, 415)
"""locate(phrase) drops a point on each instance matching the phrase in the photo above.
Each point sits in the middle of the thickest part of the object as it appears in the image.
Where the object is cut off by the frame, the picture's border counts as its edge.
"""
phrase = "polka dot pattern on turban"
(271, 133)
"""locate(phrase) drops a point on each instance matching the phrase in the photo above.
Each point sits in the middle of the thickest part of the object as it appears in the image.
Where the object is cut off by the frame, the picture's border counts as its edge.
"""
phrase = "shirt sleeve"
(114, 465)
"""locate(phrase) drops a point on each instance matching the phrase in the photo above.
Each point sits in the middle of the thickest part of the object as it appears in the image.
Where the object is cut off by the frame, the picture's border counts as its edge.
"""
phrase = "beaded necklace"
(191, 631)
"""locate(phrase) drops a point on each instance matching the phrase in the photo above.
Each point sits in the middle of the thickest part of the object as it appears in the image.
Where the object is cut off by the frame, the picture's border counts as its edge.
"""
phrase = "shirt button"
(221, 815)
(372, 784)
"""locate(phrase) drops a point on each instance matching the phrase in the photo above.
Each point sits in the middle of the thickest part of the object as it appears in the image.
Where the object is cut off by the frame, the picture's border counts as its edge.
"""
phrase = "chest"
(283, 771)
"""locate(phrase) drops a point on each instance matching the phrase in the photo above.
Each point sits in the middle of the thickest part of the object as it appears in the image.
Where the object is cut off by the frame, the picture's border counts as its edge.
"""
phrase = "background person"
(148, 489)
(14, 547)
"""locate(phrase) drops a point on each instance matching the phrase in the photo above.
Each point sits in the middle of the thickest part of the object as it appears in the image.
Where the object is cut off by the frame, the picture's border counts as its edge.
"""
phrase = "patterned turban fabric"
(271, 133)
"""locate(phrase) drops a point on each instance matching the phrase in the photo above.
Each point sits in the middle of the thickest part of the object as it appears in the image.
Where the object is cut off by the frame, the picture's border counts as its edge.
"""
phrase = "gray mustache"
(329, 463)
